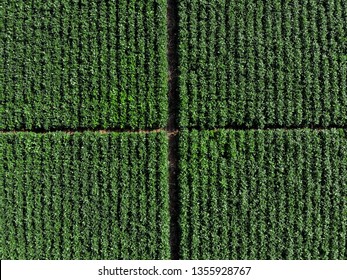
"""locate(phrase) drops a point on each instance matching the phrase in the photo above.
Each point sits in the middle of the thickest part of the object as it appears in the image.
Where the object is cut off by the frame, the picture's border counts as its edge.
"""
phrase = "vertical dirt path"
(172, 127)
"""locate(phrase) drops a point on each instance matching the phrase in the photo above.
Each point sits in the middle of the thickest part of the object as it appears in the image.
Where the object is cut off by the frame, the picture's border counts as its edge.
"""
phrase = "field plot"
(83, 64)
(257, 63)
(84, 196)
(271, 194)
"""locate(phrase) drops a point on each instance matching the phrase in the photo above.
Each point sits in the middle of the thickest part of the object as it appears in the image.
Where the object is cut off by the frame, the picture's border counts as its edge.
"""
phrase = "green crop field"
(173, 129)
(84, 196)
(258, 63)
(83, 64)
(271, 194)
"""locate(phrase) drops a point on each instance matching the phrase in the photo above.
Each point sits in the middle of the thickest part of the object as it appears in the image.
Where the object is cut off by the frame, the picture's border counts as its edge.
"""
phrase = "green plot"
(84, 196)
(83, 64)
(260, 63)
(263, 194)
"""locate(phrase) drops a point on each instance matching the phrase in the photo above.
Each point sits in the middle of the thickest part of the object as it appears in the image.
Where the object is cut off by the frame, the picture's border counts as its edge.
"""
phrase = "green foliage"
(257, 63)
(243, 194)
(83, 64)
(258, 194)
(84, 196)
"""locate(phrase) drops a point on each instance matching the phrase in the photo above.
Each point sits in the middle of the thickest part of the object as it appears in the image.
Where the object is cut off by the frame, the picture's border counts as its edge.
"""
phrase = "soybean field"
(271, 194)
(255, 63)
(83, 64)
(152, 129)
(84, 196)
